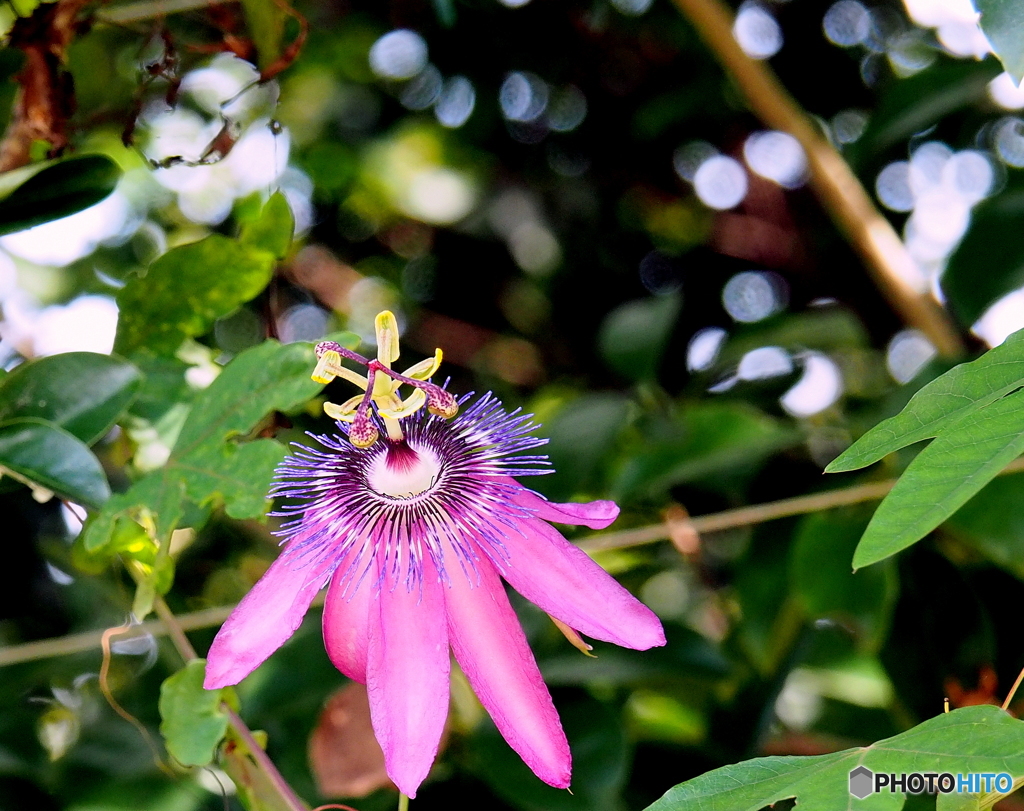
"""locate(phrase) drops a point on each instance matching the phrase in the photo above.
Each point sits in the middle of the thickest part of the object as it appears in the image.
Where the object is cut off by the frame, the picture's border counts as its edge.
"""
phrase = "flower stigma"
(381, 392)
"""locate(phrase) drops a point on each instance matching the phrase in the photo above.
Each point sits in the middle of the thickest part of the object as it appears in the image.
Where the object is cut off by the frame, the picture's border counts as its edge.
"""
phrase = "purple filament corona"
(340, 514)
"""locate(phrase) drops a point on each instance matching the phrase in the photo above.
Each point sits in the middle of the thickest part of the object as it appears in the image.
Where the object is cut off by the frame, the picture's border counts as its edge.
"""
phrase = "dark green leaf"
(273, 229)
(186, 290)
(82, 392)
(825, 585)
(192, 721)
(993, 522)
(942, 402)
(973, 739)
(52, 458)
(634, 335)
(704, 440)
(1003, 24)
(581, 434)
(687, 655)
(961, 460)
(914, 104)
(57, 190)
(989, 261)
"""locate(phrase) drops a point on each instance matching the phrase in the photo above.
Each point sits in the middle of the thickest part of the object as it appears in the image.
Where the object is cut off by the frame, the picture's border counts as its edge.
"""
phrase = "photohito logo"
(864, 782)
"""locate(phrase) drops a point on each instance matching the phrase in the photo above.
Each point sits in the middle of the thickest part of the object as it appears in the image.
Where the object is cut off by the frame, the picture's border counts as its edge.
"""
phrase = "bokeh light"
(956, 24)
(908, 353)
(763, 363)
(1003, 90)
(849, 125)
(1008, 138)
(1003, 318)
(523, 96)
(456, 102)
(756, 31)
(754, 295)
(820, 386)
(776, 156)
(847, 23)
(423, 89)
(720, 182)
(399, 54)
(704, 347)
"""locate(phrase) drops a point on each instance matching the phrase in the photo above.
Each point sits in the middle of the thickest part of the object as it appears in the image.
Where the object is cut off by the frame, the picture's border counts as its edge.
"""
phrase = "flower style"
(414, 532)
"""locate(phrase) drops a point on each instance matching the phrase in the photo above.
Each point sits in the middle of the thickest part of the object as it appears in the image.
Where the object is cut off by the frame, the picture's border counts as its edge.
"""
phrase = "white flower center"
(402, 472)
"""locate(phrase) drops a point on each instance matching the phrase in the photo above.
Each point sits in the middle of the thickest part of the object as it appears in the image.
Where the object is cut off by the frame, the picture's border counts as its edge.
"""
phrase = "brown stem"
(263, 760)
(1013, 690)
(842, 194)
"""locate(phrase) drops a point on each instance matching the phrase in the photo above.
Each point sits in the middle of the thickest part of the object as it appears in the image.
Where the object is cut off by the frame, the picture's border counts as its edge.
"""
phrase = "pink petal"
(594, 514)
(263, 621)
(493, 652)
(407, 674)
(562, 579)
(347, 616)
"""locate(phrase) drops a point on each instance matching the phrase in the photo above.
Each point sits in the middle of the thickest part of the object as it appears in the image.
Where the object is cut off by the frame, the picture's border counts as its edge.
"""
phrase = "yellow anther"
(413, 403)
(346, 412)
(323, 372)
(387, 337)
(426, 368)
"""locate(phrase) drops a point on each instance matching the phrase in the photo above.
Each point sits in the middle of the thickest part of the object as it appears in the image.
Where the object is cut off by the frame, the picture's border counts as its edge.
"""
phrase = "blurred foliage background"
(572, 199)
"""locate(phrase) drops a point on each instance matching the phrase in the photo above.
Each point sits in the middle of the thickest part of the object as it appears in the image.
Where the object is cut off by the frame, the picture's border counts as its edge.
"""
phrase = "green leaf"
(634, 335)
(826, 588)
(989, 261)
(273, 229)
(36, 451)
(208, 465)
(993, 522)
(192, 721)
(56, 190)
(186, 290)
(82, 392)
(942, 402)
(972, 739)
(962, 460)
(704, 440)
(1003, 24)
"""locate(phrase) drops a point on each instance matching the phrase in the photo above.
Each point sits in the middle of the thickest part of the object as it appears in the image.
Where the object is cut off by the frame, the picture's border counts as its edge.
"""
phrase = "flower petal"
(407, 674)
(562, 579)
(594, 514)
(492, 650)
(263, 621)
(347, 617)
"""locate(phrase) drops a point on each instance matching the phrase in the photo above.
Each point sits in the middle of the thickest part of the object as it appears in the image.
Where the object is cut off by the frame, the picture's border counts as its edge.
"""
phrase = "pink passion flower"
(413, 535)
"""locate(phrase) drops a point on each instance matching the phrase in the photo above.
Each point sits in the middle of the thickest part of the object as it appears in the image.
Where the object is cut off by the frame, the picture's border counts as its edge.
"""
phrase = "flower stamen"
(381, 385)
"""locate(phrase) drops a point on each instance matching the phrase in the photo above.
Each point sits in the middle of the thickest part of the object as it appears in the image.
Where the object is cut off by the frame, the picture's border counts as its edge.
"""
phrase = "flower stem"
(263, 762)
(403, 803)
